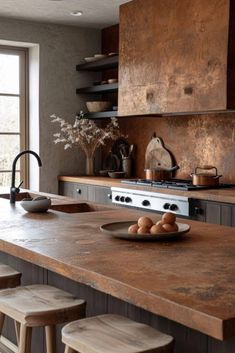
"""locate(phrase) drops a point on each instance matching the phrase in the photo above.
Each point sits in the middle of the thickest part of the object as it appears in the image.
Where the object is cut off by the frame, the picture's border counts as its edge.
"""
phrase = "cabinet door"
(99, 194)
(74, 190)
(198, 210)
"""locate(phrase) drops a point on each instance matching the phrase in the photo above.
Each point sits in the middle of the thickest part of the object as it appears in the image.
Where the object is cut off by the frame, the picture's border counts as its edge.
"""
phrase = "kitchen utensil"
(204, 179)
(159, 174)
(117, 149)
(112, 162)
(116, 175)
(157, 155)
(36, 205)
(131, 151)
(98, 106)
(120, 230)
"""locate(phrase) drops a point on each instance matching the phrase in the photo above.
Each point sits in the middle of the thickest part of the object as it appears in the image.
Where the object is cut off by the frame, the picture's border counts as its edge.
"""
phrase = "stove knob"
(166, 206)
(146, 203)
(173, 207)
(122, 199)
(117, 198)
(128, 200)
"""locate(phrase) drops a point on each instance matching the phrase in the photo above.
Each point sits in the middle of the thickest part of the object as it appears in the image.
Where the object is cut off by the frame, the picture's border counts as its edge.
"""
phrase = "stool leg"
(2, 317)
(17, 330)
(50, 339)
(69, 350)
(25, 339)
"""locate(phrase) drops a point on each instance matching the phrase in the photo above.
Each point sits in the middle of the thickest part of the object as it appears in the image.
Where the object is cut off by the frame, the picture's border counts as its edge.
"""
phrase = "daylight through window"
(13, 127)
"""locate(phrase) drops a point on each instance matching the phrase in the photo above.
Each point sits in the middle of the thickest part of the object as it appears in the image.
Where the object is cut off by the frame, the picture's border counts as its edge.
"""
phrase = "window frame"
(23, 108)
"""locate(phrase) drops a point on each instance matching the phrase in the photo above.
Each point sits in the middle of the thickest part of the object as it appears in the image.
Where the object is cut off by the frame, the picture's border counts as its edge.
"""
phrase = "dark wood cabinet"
(74, 190)
(213, 212)
(92, 193)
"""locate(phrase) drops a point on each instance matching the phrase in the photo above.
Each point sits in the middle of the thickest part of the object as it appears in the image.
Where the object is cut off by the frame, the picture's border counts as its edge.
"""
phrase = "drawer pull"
(110, 196)
(79, 191)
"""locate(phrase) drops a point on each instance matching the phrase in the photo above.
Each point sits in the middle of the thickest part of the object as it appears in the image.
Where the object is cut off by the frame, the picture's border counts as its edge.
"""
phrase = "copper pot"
(159, 174)
(205, 179)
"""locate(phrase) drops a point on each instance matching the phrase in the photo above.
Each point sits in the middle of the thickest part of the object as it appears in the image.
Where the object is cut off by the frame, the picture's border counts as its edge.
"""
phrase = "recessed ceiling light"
(76, 13)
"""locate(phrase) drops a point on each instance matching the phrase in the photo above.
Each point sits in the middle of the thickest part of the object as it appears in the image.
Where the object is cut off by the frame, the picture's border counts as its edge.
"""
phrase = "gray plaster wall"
(61, 48)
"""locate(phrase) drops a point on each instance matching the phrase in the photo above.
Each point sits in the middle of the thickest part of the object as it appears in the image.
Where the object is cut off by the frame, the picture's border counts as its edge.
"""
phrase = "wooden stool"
(35, 306)
(113, 333)
(9, 277)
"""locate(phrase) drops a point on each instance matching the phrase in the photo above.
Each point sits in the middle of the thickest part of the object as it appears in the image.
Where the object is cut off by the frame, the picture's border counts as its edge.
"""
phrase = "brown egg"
(170, 227)
(133, 229)
(160, 222)
(169, 218)
(143, 230)
(145, 222)
(157, 228)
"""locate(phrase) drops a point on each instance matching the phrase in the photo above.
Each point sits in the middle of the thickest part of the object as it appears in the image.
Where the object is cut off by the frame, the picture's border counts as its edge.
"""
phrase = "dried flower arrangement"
(85, 134)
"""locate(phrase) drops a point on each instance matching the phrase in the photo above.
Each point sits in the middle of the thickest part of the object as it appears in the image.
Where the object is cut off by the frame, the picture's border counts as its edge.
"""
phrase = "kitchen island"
(184, 287)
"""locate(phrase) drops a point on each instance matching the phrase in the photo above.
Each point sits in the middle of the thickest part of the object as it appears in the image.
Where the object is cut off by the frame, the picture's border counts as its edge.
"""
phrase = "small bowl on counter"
(116, 175)
(98, 106)
(38, 204)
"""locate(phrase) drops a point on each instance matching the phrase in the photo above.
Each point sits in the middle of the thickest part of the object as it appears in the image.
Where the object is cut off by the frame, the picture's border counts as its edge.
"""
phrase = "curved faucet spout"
(14, 190)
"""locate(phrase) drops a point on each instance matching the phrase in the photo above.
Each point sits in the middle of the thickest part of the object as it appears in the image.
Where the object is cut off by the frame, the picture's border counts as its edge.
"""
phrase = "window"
(13, 113)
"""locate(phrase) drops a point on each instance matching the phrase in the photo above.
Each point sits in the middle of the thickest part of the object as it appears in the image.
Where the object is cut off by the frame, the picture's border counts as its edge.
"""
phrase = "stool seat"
(9, 277)
(114, 334)
(40, 305)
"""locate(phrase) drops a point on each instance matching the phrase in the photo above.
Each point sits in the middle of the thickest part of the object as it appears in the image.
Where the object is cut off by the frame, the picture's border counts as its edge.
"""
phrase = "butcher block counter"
(226, 195)
(189, 280)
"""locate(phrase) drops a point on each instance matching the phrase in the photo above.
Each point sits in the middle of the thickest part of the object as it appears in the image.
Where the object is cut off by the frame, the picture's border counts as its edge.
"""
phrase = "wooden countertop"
(190, 281)
(217, 195)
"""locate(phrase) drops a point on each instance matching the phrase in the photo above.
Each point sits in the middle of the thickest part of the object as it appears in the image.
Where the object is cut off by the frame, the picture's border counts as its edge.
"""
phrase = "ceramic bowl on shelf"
(89, 59)
(100, 56)
(38, 204)
(98, 106)
(112, 80)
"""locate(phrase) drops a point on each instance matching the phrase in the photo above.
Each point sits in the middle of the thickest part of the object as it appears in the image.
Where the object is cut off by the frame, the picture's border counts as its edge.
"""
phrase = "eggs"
(145, 222)
(145, 225)
(169, 218)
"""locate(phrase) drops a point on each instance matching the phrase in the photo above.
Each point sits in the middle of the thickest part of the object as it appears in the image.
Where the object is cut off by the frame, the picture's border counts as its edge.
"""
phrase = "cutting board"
(157, 155)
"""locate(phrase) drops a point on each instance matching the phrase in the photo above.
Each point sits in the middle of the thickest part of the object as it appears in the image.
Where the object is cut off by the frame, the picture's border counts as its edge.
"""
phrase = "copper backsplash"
(192, 140)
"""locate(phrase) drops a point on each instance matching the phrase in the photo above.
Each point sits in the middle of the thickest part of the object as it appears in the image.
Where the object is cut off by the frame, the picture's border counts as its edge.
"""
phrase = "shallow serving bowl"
(98, 106)
(39, 204)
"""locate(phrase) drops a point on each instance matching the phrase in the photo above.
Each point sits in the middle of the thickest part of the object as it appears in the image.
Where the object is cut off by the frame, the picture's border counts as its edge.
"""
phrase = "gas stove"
(177, 184)
(153, 201)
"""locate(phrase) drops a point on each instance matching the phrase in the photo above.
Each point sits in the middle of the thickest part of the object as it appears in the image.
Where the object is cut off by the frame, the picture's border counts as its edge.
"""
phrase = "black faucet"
(15, 190)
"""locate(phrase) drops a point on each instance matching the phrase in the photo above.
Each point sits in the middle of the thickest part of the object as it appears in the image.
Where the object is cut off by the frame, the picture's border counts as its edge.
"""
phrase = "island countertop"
(190, 281)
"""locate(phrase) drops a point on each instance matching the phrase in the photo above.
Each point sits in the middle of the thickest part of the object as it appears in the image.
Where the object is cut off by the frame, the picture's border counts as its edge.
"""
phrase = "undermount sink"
(66, 207)
(79, 208)
(20, 196)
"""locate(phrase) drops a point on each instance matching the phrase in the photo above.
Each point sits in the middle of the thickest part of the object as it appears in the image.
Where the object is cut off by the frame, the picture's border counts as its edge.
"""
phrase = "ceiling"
(96, 13)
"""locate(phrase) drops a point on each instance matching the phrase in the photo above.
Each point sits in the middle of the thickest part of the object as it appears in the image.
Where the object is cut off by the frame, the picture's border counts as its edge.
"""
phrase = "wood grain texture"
(40, 305)
(193, 289)
(105, 333)
(9, 277)
(178, 63)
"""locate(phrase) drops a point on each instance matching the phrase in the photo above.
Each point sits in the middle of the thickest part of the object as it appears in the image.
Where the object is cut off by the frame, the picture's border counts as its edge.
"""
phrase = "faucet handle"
(17, 189)
(20, 184)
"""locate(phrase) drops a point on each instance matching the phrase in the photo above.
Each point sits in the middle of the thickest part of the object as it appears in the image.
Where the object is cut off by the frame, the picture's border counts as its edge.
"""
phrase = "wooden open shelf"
(103, 64)
(99, 89)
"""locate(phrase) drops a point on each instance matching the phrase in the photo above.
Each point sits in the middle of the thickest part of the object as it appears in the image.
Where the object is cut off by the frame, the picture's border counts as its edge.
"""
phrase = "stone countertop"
(189, 280)
(226, 195)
